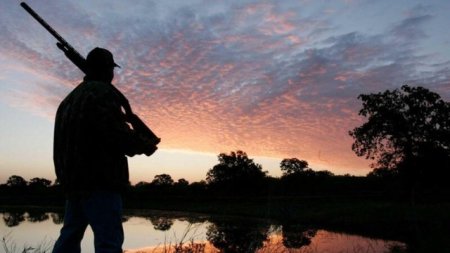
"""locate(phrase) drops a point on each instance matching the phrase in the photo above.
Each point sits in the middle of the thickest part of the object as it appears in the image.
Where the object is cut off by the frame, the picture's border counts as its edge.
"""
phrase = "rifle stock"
(79, 61)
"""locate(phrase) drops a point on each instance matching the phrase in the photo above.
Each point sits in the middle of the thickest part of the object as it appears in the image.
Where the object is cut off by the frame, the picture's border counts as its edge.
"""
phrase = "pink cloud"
(253, 77)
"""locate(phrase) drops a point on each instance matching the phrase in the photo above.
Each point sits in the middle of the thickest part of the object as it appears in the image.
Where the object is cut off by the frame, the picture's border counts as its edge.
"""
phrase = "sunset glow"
(277, 79)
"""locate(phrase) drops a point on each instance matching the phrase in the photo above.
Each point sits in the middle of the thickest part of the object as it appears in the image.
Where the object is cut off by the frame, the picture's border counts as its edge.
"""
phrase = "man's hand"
(130, 117)
(150, 151)
(136, 123)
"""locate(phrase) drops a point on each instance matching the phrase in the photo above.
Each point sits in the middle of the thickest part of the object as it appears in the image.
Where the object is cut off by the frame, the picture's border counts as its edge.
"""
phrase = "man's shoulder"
(97, 87)
(93, 90)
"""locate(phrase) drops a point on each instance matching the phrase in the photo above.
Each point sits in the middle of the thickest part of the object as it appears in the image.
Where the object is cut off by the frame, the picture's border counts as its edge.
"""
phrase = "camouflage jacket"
(91, 139)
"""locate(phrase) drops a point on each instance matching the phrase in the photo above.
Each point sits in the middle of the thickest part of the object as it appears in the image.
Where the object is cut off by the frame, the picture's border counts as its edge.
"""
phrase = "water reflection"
(37, 216)
(161, 223)
(178, 232)
(57, 218)
(13, 219)
(237, 235)
(297, 236)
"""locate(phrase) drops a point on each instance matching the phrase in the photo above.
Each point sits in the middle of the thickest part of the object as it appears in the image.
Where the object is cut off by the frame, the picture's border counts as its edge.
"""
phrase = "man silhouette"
(91, 140)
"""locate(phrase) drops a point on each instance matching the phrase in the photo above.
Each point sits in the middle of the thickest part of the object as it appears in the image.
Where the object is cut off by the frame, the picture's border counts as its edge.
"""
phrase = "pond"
(156, 231)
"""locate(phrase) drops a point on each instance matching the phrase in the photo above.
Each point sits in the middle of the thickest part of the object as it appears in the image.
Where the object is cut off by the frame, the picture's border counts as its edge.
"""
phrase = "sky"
(276, 79)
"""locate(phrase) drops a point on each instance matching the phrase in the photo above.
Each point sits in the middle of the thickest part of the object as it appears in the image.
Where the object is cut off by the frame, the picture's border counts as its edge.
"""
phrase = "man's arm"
(110, 123)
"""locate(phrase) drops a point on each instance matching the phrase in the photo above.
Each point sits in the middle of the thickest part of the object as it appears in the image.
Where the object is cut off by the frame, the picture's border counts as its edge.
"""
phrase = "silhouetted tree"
(292, 165)
(163, 180)
(324, 173)
(408, 130)
(182, 182)
(198, 188)
(181, 186)
(16, 181)
(383, 173)
(39, 182)
(141, 184)
(235, 167)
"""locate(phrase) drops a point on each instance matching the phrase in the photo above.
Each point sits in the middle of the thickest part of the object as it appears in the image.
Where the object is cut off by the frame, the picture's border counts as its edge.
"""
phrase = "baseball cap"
(100, 57)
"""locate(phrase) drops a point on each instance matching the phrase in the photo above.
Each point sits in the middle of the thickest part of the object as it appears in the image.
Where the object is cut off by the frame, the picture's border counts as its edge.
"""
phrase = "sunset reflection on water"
(324, 241)
(157, 233)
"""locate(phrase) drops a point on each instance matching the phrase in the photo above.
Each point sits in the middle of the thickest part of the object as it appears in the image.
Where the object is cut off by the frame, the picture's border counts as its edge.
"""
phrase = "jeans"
(103, 212)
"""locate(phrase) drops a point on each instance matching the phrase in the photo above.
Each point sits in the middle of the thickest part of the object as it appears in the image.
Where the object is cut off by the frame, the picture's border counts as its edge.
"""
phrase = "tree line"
(235, 169)
(238, 175)
(235, 174)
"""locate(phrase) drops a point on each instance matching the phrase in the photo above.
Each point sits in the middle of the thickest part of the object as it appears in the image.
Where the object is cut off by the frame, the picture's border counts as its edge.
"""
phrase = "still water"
(154, 231)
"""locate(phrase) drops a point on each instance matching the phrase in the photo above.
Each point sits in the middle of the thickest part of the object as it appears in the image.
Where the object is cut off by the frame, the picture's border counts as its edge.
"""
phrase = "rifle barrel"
(44, 24)
(68, 50)
(80, 62)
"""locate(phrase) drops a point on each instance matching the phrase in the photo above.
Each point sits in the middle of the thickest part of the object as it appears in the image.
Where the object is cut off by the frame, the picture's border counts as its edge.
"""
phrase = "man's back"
(89, 139)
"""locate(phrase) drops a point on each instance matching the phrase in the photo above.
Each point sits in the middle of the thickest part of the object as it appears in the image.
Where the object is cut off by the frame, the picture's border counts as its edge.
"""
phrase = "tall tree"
(406, 129)
(182, 182)
(40, 182)
(163, 179)
(292, 165)
(16, 181)
(234, 167)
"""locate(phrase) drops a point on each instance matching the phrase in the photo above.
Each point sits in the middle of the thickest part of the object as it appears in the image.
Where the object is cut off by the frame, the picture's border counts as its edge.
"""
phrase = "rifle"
(79, 61)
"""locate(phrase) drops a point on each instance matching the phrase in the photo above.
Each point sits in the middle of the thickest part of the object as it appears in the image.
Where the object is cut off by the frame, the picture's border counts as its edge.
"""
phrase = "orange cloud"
(262, 77)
